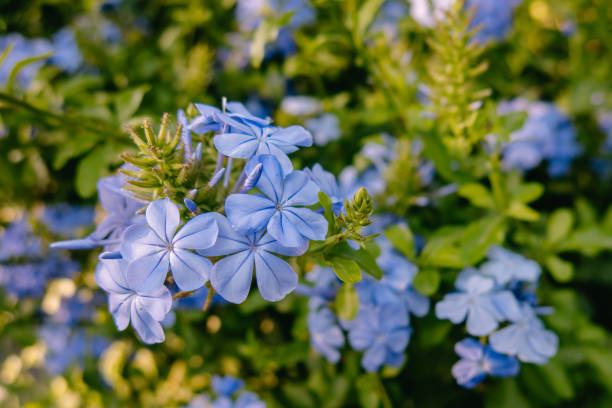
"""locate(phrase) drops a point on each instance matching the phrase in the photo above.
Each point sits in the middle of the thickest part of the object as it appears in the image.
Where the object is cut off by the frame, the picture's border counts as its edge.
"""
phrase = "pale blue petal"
(501, 365)
(469, 349)
(270, 244)
(544, 342)
(199, 232)
(236, 145)
(157, 304)
(138, 241)
(478, 284)
(190, 271)
(299, 189)
(309, 223)
(417, 303)
(374, 357)
(480, 321)
(119, 306)
(149, 330)
(249, 212)
(507, 340)
(110, 275)
(163, 217)
(231, 276)
(271, 180)
(275, 277)
(453, 307)
(287, 138)
(507, 305)
(284, 231)
(147, 274)
(468, 373)
(229, 241)
(397, 340)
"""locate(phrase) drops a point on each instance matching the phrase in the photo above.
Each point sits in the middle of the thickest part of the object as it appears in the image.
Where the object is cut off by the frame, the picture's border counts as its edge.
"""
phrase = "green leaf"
(435, 151)
(557, 378)
(585, 212)
(589, 241)
(347, 270)
(477, 194)
(6, 52)
(561, 270)
(402, 239)
(478, 236)
(326, 203)
(559, 225)
(362, 256)
(513, 121)
(347, 302)
(427, 281)
(441, 249)
(368, 391)
(71, 148)
(520, 211)
(528, 192)
(128, 101)
(601, 359)
(366, 15)
(19, 66)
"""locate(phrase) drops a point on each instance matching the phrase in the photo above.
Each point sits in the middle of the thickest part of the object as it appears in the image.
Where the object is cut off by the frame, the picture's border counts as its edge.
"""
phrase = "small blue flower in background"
(328, 184)
(388, 17)
(603, 165)
(145, 311)
(181, 119)
(65, 220)
(383, 333)
(324, 128)
(478, 361)
(505, 266)
(231, 276)
(66, 53)
(301, 105)
(326, 336)
(526, 338)
(477, 300)
(547, 134)
(153, 249)
(229, 394)
(280, 207)
(18, 241)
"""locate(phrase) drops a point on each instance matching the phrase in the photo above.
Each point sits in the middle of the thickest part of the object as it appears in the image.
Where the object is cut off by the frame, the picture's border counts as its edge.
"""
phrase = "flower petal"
(275, 277)
(149, 330)
(231, 276)
(469, 349)
(110, 275)
(468, 373)
(249, 212)
(480, 321)
(157, 304)
(269, 244)
(190, 271)
(508, 340)
(289, 137)
(236, 145)
(453, 307)
(148, 273)
(163, 217)
(299, 189)
(119, 306)
(283, 230)
(199, 232)
(271, 180)
(229, 241)
(309, 223)
(374, 357)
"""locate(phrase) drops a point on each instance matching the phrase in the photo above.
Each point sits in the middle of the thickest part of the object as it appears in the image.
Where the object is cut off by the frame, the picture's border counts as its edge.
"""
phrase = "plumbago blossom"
(229, 393)
(179, 225)
(381, 327)
(501, 291)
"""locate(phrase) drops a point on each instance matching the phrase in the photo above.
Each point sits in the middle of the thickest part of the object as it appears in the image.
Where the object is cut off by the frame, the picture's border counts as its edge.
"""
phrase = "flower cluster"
(229, 394)
(381, 327)
(501, 290)
(207, 233)
(547, 134)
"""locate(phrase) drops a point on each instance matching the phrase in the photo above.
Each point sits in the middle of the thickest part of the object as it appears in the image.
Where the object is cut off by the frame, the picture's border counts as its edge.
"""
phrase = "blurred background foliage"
(62, 131)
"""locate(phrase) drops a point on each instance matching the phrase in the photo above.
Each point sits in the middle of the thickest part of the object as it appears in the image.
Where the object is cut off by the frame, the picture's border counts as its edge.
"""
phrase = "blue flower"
(325, 335)
(478, 361)
(383, 333)
(181, 119)
(65, 219)
(144, 310)
(504, 266)
(153, 249)
(301, 105)
(227, 385)
(18, 241)
(325, 288)
(325, 128)
(66, 53)
(248, 140)
(547, 134)
(279, 208)
(231, 276)
(477, 300)
(526, 338)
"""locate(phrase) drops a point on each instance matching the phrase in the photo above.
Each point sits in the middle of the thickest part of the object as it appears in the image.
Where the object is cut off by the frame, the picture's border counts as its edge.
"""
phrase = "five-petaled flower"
(153, 249)
(280, 207)
(231, 276)
(145, 310)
